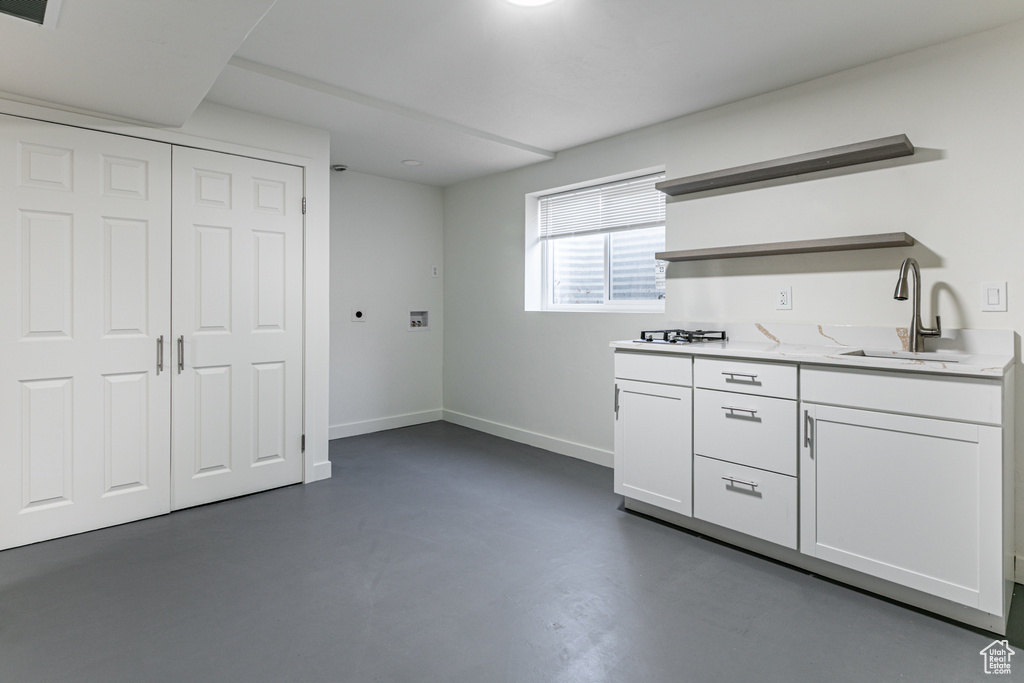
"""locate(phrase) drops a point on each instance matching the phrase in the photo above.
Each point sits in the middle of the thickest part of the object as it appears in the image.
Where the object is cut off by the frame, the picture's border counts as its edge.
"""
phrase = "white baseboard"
(383, 423)
(1018, 568)
(321, 470)
(549, 443)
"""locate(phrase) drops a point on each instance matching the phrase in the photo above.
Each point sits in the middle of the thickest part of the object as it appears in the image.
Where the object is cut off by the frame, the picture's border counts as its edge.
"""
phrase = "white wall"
(385, 237)
(547, 377)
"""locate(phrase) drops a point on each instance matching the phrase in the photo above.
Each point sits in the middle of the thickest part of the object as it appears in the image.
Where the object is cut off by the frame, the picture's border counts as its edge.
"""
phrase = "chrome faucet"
(917, 331)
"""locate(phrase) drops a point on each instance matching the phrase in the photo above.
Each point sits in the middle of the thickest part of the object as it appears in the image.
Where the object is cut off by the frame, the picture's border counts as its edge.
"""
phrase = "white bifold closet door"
(85, 294)
(237, 311)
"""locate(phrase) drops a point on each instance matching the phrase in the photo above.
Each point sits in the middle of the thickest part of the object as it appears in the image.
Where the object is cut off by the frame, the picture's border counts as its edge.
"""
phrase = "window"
(597, 246)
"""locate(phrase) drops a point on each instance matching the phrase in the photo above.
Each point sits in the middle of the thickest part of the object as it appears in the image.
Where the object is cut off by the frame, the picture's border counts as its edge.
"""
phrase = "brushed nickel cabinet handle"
(807, 428)
(181, 354)
(159, 354)
(616, 401)
(737, 409)
(734, 375)
(734, 480)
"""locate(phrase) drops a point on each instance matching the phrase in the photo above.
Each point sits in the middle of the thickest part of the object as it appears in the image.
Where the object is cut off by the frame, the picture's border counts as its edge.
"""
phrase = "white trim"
(572, 449)
(321, 470)
(657, 306)
(383, 423)
(1018, 568)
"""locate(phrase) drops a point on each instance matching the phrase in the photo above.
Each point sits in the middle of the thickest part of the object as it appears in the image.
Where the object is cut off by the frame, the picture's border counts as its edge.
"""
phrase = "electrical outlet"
(434, 271)
(784, 299)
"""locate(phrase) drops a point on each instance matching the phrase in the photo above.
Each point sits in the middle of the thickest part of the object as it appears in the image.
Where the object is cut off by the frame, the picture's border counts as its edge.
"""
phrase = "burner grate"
(681, 336)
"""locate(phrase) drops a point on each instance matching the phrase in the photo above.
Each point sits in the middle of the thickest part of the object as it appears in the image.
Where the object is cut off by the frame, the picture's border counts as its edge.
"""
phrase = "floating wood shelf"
(889, 239)
(836, 157)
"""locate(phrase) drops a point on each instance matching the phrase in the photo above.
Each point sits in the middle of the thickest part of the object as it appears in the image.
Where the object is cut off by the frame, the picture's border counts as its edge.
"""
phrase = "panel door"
(237, 307)
(912, 500)
(653, 444)
(85, 297)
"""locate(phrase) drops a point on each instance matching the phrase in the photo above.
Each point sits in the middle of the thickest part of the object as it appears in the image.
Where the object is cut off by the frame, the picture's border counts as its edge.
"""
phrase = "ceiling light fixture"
(530, 3)
(411, 162)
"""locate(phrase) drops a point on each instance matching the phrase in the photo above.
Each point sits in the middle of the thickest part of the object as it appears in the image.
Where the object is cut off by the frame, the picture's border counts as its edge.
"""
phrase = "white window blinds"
(610, 207)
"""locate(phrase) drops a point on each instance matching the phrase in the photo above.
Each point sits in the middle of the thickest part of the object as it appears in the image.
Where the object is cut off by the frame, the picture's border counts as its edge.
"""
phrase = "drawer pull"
(734, 375)
(737, 409)
(743, 482)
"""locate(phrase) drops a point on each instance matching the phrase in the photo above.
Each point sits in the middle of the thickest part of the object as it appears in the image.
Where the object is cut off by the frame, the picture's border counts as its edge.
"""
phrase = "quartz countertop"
(937, 362)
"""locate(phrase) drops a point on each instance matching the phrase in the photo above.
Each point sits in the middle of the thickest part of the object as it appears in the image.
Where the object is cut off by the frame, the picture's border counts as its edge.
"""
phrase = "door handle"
(181, 353)
(159, 354)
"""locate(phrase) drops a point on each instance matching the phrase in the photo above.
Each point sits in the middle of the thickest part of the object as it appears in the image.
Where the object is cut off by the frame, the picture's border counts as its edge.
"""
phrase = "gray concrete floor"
(437, 553)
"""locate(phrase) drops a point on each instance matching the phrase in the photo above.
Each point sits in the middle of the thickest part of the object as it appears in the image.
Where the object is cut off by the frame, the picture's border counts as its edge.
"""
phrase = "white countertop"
(934, 362)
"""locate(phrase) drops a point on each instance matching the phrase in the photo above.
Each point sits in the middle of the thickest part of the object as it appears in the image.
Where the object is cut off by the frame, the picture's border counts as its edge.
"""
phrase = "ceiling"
(466, 87)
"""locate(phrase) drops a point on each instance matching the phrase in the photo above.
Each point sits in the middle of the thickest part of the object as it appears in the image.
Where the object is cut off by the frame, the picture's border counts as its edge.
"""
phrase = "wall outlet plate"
(784, 299)
(993, 296)
(358, 315)
(434, 271)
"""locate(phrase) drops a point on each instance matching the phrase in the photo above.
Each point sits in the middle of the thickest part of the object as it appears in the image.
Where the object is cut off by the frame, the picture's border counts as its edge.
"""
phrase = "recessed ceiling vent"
(30, 10)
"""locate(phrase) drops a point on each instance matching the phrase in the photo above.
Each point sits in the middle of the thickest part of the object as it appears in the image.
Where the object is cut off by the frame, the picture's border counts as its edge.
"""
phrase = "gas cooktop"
(680, 336)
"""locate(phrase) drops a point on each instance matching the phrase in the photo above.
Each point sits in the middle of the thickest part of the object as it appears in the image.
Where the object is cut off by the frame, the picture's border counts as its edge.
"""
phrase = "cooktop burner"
(680, 336)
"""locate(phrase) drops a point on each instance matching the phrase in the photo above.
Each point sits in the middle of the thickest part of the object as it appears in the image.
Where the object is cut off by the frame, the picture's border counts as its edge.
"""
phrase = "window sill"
(653, 307)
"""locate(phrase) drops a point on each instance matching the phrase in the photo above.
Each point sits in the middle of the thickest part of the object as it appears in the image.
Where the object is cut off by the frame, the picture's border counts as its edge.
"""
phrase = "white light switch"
(993, 296)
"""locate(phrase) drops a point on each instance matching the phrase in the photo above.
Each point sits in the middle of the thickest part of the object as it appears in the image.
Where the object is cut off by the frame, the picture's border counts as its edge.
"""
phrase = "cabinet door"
(916, 501)
(653, 444)
(237, 308)
(85, 300)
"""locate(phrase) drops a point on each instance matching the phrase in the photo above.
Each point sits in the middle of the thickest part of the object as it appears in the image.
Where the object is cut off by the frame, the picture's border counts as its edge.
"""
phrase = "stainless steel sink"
(904, 355)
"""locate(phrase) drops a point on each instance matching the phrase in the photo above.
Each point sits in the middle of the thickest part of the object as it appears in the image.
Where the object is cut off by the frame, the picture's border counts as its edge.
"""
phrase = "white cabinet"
(653, 442)
(898, 482)
(749, 500)
(757, 431)
(744, 443)
(918, 501)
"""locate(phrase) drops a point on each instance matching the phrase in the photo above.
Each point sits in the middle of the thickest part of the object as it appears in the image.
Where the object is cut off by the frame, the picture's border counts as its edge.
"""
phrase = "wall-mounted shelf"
(881, 241)
(836, 157)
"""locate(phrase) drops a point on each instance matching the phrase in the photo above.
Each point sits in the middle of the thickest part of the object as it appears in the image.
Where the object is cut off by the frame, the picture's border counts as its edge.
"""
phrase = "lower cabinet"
(653, 455)
(895, 481)
(748, 500)
(653, 430)
(912, 500)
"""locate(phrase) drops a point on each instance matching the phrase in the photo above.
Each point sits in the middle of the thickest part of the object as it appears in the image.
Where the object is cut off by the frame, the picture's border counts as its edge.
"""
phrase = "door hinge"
(303, 206)
(303, 443)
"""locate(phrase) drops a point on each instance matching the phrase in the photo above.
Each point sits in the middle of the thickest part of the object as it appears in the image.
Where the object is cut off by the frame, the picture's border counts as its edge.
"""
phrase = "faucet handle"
(935, 332)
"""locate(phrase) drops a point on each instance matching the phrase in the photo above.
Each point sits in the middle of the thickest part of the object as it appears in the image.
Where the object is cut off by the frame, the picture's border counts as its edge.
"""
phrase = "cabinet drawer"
(751, 430)
(966, 399)
(747, 377)
(654, 367)
(751, 501)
